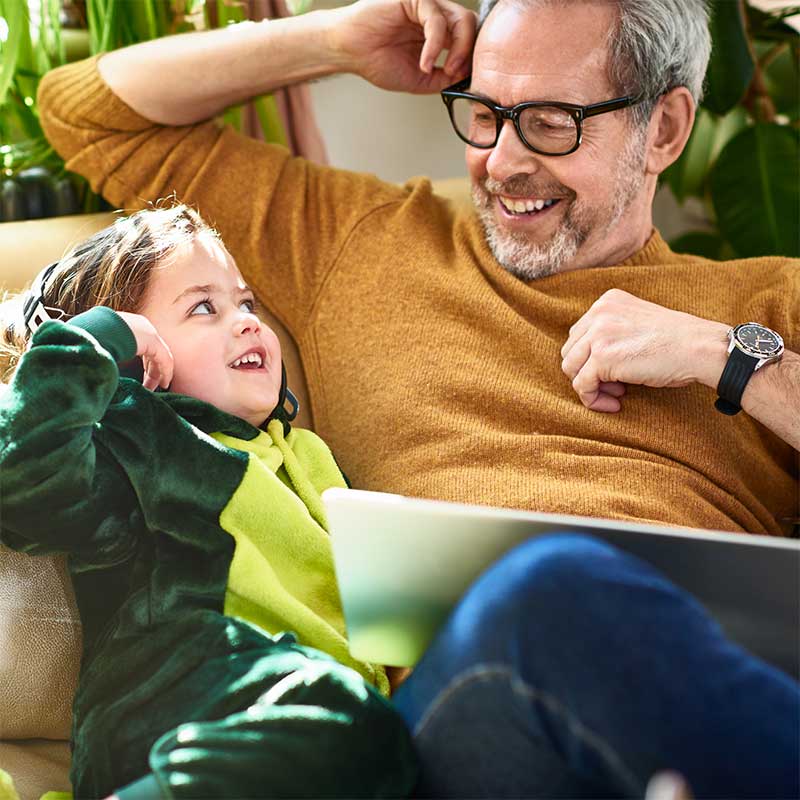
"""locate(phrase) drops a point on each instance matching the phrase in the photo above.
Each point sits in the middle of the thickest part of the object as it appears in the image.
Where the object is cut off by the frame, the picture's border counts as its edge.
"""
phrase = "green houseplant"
(743, 157)
(38, 35)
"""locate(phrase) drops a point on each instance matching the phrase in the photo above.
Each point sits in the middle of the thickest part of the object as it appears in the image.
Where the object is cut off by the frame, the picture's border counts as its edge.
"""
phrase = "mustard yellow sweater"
(432, 371)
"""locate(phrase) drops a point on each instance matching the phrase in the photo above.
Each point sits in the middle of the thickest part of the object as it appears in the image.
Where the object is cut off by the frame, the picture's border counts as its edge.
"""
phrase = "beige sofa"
(40, 634)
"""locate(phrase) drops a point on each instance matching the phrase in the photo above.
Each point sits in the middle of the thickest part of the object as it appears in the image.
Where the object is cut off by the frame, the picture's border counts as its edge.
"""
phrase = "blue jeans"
(571, 669)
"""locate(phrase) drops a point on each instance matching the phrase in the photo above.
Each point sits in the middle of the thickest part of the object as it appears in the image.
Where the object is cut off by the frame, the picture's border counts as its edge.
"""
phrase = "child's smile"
(253, 359)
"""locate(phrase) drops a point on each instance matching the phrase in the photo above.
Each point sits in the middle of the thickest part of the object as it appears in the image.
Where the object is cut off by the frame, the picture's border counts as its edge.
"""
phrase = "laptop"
(402, 564)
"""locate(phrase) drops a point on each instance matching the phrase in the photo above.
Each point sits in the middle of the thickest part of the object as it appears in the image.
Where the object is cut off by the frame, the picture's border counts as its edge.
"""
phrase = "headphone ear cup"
(280, 411)
(294, 402)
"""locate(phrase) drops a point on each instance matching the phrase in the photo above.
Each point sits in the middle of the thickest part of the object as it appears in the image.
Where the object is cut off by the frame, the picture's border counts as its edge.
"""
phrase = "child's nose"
(247, 323)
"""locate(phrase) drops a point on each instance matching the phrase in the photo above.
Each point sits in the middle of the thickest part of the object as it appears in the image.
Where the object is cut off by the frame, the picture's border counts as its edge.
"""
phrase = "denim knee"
(552, 589)
(552, 568)
(548, 572)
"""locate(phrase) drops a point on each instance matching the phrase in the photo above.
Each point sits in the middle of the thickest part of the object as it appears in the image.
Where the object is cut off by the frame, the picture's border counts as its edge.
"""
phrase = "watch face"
(758, 340)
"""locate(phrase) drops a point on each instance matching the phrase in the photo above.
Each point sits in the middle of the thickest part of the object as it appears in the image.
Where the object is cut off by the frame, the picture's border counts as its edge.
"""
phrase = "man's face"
(602, 206)
(202, 308)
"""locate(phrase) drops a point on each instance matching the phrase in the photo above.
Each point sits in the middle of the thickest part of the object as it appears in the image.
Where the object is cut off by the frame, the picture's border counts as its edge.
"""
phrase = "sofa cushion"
(36, 766)
(41, 646)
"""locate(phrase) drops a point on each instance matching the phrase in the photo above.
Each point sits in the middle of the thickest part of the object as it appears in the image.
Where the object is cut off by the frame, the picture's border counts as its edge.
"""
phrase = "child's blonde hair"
(112, 269)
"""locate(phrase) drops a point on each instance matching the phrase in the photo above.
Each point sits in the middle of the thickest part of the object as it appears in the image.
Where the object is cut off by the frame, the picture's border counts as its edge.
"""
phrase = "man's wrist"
(318, 28)
(711, 354)
(328, 25)
(303, 47)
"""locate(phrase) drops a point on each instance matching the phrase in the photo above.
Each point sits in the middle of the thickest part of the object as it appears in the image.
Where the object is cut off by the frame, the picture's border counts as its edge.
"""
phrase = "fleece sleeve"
(56, 490)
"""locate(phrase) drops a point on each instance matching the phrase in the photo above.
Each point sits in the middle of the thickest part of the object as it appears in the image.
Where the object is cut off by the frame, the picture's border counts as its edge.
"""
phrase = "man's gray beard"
(531, 260)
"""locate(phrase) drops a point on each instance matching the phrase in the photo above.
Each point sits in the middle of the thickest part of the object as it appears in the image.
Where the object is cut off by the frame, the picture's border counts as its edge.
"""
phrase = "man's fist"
(622, 339)
(395, 43)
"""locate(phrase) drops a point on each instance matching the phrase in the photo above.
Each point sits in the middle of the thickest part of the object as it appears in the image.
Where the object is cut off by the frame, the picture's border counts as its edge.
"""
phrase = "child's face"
(203, 309)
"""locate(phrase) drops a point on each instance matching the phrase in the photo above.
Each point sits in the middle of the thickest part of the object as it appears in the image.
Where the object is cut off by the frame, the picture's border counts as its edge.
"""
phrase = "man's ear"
(670, 126)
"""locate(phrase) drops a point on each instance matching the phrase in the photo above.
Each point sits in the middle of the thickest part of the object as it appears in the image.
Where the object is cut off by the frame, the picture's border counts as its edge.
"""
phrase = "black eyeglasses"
(546, 127)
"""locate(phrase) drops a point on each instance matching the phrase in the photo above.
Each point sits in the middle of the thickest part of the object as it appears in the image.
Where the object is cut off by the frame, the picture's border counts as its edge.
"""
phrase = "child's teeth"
(249, 358)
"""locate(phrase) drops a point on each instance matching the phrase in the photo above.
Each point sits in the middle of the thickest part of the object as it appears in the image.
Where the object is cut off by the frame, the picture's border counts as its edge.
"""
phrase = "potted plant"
(38, 35)
(743, 157)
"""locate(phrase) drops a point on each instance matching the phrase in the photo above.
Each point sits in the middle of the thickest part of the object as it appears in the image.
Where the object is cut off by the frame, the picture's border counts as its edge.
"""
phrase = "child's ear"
(669, 129)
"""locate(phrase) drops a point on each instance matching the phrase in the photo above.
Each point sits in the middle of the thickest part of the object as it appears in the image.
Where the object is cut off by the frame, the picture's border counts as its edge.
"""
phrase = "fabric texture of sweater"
(416, 341)
(194, 540)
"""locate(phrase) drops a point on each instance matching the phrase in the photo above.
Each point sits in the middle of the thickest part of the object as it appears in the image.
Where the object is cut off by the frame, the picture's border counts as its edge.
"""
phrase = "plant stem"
(756, 99)
(772, 54)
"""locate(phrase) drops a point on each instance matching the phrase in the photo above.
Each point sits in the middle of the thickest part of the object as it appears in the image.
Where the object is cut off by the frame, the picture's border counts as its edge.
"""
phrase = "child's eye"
(249, 306)
(203, 307)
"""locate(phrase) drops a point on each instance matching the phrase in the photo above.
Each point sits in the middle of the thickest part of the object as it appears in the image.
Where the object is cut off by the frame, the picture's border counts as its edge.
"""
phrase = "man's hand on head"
(394, 44)
(622, 339)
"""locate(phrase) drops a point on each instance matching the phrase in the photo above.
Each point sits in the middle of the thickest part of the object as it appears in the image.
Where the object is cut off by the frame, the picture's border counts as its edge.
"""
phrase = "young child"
(214, 655)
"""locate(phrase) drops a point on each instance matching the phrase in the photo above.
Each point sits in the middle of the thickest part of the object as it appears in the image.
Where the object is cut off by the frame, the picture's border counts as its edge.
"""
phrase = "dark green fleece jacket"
(152, 496)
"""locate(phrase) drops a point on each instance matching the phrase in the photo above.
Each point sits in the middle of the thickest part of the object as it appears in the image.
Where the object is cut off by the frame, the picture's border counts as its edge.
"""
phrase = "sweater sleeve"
(59, 490)
(284, 219)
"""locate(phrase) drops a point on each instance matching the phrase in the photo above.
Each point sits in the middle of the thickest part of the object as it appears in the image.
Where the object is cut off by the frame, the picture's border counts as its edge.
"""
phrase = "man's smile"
(523, 205)
(526, 211)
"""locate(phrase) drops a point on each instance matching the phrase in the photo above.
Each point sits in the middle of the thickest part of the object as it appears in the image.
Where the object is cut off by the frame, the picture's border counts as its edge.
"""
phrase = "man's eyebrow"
(208, 288)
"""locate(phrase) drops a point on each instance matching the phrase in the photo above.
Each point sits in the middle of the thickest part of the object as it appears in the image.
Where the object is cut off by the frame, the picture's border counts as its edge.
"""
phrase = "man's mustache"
(524, 186)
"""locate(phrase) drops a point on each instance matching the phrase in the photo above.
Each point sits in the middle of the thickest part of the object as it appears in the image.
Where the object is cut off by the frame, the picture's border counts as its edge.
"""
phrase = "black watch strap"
(732, 382)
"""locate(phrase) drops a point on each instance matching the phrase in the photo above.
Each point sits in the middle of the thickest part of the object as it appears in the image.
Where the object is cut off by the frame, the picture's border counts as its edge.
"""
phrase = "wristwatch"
(750, 347)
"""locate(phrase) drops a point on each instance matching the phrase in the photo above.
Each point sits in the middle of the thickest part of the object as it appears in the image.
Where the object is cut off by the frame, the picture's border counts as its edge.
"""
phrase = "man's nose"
(510, 156)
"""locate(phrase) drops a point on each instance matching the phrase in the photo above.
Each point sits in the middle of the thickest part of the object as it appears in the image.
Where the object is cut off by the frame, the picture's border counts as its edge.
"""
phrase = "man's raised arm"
(181, 80)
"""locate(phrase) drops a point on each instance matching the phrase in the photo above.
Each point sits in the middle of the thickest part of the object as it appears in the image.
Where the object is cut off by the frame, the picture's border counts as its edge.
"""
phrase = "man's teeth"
(523, 206)
(250, 358)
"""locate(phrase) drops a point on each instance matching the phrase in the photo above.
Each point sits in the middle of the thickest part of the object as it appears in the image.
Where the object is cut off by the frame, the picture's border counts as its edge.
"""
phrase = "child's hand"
(156, 356)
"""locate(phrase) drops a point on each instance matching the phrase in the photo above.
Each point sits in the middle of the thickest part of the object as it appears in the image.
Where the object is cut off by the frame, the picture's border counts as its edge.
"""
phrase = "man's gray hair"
(655, 46)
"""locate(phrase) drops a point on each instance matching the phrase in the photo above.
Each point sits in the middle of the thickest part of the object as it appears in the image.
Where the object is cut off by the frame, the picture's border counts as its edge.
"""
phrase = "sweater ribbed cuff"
(110, 330)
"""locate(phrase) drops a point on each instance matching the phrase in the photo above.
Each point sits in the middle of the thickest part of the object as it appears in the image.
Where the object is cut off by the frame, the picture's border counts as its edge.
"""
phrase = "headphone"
(280, 412)
(34, 311)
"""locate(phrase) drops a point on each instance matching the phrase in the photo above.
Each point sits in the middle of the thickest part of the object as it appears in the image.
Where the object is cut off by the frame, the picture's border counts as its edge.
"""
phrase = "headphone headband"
(34, 310)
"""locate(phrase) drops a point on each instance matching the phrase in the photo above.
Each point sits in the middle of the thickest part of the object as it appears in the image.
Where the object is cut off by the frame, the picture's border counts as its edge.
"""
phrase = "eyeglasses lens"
(474, 122)
(546, 128)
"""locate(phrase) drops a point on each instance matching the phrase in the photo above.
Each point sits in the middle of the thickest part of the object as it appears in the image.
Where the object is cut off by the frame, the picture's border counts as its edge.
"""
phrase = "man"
(547, 352)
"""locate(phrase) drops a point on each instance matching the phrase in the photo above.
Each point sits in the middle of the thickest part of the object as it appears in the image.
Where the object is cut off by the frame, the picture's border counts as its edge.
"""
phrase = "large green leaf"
(686, 177)
(783, 83)
(708, 244)
(754, 188)
(730, 69)
(728, 126)
(771, 25)
(297, 7)
(52, 28)
(16, 18)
